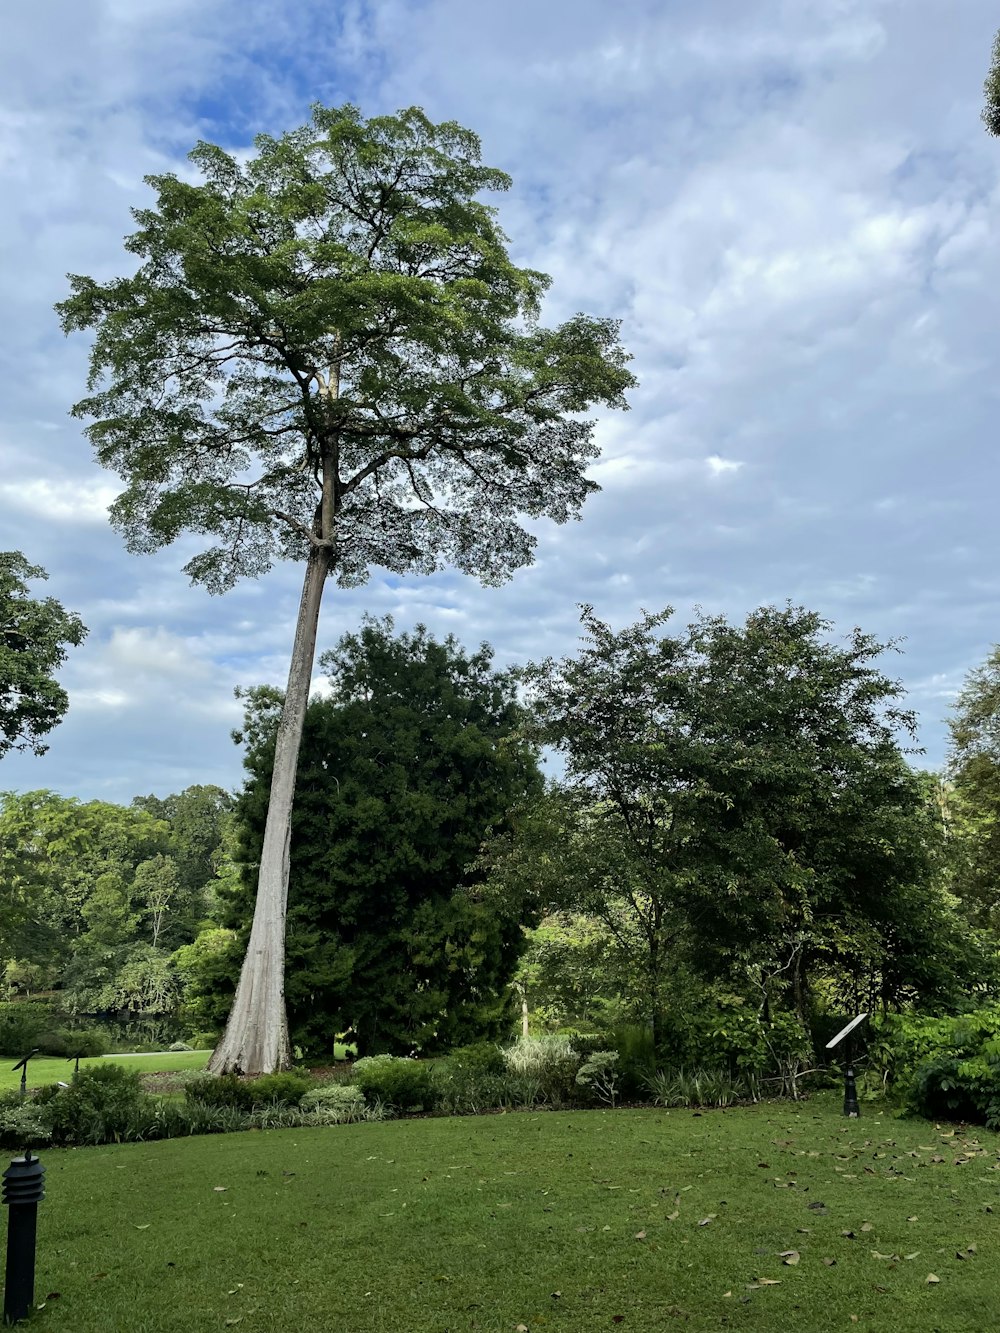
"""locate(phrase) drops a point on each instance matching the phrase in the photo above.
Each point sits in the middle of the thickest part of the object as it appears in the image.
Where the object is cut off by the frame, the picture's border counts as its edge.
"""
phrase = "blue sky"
(793, 207)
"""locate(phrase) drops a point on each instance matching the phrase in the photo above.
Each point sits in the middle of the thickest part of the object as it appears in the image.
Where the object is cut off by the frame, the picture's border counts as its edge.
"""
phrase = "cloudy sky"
(792, 205)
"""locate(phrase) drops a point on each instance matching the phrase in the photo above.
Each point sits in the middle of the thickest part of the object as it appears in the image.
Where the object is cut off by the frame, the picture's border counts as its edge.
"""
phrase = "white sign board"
(835, 1041)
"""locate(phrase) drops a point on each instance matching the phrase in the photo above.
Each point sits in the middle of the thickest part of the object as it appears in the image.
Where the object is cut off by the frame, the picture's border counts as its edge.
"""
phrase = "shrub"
(405, 1085)
(482, 1057)
(22, 1024)
(342, 1115)
(23, 1124)
(286, 1089)
(600, 1073)
(551, 1061)
(97, 1106)
(699, 1087)
(636, 1056)
(180, 1046)
(941, 1067)
(340, 1097)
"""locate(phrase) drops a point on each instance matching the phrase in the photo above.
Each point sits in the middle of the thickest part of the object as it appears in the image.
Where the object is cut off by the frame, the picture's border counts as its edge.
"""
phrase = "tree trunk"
(256, 1037)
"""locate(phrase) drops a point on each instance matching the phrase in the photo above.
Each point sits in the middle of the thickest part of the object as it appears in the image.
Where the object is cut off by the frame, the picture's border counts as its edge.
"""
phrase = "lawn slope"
(567, 1221)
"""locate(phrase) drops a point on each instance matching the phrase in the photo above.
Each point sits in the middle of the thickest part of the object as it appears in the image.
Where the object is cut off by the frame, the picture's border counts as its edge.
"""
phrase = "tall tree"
(34, 635)
(404, 768)
(991, 111)
(734, 795)
(327, 355)
(974, 772)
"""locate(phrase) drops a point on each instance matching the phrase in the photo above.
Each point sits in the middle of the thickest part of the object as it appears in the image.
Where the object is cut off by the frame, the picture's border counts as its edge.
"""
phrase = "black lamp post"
(23, 1190)
(851, 1107)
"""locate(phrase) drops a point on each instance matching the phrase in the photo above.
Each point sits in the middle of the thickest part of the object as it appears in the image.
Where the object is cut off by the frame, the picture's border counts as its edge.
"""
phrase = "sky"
(791, 205)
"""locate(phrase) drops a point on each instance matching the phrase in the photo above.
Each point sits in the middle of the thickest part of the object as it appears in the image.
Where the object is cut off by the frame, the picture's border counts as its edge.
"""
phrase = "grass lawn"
(49, 1069)
(569, 1221)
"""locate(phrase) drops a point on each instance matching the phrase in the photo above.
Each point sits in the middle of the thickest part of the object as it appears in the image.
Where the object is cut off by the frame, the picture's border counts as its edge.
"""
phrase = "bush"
(179, 1046)
(405, 1085)
(550, 1061)
(476, 1094)
(481, 1058)
(203, 1041)
(86, 1042)
(636, 1057)
(23, 1124)
(600, 1073)
(247, 1095)
(699, 1087)
(335, 1097)
(22, 1024)
(98, 1105)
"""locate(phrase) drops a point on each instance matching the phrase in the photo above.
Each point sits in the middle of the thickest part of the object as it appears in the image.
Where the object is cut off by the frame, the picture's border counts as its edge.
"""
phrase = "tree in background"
(736, 799)
(34, 635)
(974, 804)
(991, 111)
(199, 821)
(326, 355)
(404, 768)
(95, 897)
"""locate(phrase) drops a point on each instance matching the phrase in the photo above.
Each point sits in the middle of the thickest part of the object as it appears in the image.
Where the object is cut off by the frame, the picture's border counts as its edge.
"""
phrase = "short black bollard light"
(851, 1107)
(23, 1190)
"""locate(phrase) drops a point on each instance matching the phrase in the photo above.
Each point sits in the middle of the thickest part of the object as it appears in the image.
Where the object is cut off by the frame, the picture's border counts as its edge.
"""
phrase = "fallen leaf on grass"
(914, 1218)
(790, 1257)
(672, 1217)
(866, 1226)
(142, 1226)
(219, 1189)
(849, 1234)
(640, 1235)
(830, 1263)
(933, 1277)
(710, 1218)
(912, 1256)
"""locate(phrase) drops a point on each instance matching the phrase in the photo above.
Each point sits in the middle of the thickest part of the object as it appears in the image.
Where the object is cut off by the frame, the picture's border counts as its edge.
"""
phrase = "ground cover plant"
(756, 1218)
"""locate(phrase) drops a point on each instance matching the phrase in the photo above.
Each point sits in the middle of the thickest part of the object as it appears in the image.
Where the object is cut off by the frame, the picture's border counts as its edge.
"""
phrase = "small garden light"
(23, 1190)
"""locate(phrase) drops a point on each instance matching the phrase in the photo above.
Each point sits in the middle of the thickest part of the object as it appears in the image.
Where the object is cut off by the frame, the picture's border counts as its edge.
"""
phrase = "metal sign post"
(851, 1107)
(23, 1066)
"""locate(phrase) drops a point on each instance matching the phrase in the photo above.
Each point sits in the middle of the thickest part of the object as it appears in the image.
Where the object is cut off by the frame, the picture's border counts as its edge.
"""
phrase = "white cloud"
(63, 501)
(791, 204)
(717, 466)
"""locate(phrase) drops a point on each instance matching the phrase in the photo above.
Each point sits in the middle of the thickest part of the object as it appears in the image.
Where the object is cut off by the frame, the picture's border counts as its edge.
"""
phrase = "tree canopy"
(991, 111)
(405, 766)
(34, 635)
(326, 354)
(736, 796)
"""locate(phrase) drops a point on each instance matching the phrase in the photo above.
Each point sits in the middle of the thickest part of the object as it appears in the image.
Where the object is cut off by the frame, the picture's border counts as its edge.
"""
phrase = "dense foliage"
(405, 766)
(736, 807)
(34, 635)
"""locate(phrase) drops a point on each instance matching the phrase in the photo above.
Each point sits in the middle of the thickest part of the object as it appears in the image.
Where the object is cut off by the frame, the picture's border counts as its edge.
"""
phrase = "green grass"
(568, 1221)
(48, 1069)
